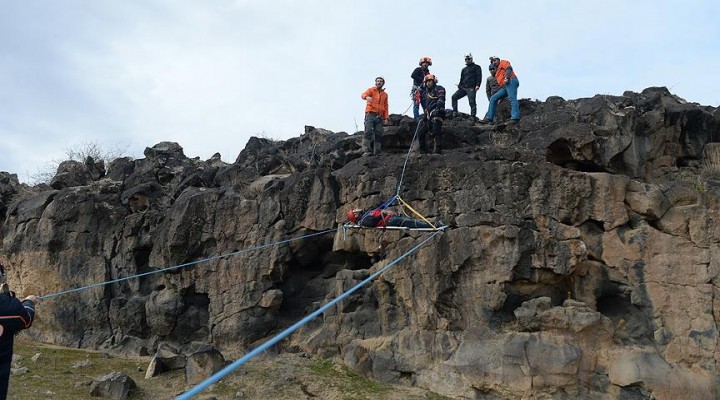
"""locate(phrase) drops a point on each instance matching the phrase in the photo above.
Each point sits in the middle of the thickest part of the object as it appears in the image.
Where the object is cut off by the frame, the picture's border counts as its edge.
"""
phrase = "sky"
(128, 74)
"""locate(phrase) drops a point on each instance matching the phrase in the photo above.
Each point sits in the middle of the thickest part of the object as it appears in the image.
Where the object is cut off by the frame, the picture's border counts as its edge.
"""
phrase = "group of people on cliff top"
(426, 93)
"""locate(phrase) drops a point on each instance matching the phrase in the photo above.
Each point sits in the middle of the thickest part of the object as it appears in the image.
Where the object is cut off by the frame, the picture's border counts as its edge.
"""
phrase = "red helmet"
(426, 59)
(353, 214)
(430, 77)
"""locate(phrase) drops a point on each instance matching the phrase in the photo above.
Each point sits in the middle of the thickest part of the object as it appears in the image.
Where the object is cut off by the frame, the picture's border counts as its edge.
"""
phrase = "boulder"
(203, 364)
(114, 385)
(166, 358)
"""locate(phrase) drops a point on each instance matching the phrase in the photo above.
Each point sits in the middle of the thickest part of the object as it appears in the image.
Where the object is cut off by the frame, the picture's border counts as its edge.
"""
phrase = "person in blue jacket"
(15, 315)
(432, 97)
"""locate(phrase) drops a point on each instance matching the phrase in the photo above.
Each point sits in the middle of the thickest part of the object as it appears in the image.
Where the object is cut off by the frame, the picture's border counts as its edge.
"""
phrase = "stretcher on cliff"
(382, 218)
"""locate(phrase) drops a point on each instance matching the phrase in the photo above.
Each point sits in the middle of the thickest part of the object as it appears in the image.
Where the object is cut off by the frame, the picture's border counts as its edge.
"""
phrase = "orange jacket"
(379, 103)
(501, 70)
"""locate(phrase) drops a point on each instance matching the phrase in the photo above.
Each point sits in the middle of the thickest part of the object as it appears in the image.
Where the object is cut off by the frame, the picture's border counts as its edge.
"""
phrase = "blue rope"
(230, 368)
(407, 157)
(402, 176)
(186, 264)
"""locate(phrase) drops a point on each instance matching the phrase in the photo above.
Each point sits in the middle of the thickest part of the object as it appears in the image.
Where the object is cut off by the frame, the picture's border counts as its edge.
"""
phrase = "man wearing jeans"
(376, 114)
(509, 84)
(418, 75)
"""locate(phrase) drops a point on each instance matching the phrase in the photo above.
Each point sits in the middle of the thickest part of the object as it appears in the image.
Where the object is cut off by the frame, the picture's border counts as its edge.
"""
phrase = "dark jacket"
(491, 86)
(376, 218)
(14, 317)
(471, 76)
(433, 99)
(418, 75)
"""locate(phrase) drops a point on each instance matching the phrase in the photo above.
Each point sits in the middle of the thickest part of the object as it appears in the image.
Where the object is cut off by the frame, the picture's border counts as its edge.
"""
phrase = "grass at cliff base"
(64, 373)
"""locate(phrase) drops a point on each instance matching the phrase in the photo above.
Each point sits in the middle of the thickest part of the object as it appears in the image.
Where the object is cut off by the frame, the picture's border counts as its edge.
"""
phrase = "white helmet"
(468, 55)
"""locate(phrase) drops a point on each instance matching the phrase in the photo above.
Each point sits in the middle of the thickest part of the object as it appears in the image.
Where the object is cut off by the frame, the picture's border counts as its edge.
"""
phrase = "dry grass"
(711, 162)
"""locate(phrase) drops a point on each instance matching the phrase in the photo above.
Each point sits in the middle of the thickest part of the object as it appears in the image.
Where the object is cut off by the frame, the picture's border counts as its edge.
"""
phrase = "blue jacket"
(433, 99)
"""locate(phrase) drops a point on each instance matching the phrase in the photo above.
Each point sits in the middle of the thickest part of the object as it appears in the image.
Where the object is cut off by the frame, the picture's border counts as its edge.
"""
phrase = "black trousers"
(462, 92)
(433, 127)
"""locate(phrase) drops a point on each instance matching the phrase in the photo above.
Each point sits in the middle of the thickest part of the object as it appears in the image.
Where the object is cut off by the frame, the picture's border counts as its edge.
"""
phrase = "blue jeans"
(416, 103)
(510, 91)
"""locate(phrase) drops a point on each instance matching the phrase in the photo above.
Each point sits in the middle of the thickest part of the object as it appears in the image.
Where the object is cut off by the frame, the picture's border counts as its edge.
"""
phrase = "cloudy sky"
(209, 74)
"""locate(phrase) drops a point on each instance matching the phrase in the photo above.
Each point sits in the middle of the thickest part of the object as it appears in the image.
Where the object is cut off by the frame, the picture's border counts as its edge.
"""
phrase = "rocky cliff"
(582, 259)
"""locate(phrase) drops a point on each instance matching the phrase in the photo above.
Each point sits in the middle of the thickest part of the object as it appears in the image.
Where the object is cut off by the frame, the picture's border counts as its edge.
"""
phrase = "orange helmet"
(430, 77)
(426, 59)
(353, 214)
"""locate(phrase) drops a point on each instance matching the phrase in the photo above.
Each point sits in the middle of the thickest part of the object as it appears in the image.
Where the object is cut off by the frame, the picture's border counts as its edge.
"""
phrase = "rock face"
(582, 261)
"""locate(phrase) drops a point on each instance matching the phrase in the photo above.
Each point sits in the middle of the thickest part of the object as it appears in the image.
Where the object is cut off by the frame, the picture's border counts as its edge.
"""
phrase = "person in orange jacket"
(376, 114)
(509, 83)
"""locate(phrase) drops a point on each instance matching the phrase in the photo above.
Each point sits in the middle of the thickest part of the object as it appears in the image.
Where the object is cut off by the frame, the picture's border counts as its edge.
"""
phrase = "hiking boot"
(378, 147)
(513, 122)
(366, 147)
(485, 121)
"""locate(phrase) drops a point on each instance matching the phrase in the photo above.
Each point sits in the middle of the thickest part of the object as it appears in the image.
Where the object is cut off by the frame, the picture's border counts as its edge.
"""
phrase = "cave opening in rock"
(560, 153)
(141, 261)
(546, 284)
(309, 277)
(192, 320)
(633, 324)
